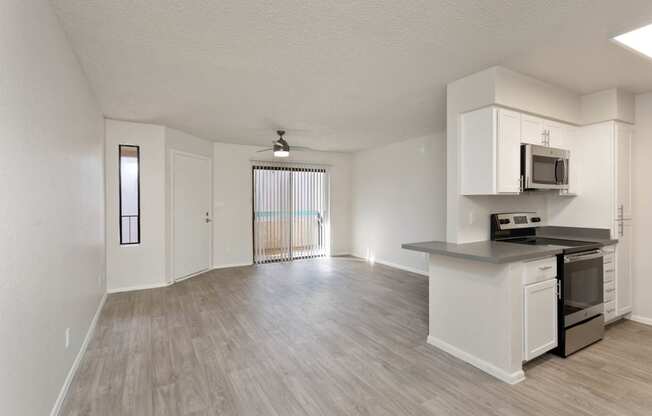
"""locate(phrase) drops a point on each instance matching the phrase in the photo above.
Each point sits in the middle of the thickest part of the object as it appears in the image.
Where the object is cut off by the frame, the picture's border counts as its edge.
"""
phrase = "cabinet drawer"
(609, 275)
(540, 270)
(609, 291)
(609, 311)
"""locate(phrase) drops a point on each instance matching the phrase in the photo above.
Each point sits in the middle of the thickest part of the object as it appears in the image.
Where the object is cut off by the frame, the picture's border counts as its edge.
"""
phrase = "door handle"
(208, 220)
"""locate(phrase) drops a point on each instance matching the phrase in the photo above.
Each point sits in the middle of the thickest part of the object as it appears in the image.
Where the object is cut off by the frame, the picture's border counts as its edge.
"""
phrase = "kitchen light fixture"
(638, 40)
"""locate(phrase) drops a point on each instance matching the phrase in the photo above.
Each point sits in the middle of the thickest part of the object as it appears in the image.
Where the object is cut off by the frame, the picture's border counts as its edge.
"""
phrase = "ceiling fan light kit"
(281, 147)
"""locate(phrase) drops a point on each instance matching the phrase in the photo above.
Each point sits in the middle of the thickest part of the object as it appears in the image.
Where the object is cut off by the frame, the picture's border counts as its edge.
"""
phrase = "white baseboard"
(228, 266)
(139, 287)
(396, 265)
(165, 284)
(341, 254)
(500, 374)
(75, 364)
(401, 267)
(640, 319)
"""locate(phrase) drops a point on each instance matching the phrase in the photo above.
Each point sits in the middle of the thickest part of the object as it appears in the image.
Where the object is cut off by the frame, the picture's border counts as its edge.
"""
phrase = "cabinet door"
(623, 171)
(540, 318)
(508, 152)
(556, 134)
(532, 130)
(624, 294)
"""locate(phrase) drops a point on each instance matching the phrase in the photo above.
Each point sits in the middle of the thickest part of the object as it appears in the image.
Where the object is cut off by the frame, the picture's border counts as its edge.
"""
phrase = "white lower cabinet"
(539, 309)
(624, 293)
(617, 276)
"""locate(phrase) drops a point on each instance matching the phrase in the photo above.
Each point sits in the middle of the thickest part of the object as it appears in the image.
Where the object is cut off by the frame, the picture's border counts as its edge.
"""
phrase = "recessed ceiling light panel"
(639, 40)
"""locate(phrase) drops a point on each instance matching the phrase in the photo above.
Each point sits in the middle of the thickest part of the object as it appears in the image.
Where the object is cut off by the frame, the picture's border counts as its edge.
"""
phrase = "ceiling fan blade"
(306, 149)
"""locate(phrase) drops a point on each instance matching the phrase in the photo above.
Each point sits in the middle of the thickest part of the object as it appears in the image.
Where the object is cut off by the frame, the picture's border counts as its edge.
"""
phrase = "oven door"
(545, 167)
(583, 286)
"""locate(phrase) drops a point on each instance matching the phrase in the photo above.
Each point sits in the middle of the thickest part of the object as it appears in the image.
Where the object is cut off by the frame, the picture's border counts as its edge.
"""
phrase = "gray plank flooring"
(326, 337)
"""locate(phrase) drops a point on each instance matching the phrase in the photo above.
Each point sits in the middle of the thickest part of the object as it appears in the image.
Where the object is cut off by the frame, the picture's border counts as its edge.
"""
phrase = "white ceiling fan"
(281, 147)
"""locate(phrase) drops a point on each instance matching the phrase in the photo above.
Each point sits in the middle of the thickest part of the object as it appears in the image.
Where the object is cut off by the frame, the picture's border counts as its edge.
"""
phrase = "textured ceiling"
(339, 75)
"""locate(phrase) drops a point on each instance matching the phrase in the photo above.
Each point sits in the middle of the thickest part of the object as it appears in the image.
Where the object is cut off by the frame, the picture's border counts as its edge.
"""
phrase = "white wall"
(179, 140)
(142, 265)
(642, 207)
(399, 196)
(52, 207)
(232, 237)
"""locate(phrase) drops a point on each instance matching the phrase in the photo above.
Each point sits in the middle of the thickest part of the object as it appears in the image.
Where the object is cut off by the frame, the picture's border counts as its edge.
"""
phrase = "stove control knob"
(504, 221)
(535, 219)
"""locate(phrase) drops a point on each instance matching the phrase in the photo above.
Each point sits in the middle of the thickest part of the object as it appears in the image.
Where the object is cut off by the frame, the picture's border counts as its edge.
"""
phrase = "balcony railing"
(277, 242)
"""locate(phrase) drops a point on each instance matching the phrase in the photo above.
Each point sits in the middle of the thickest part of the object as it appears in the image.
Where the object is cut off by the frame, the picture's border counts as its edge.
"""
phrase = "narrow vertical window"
(129, 194)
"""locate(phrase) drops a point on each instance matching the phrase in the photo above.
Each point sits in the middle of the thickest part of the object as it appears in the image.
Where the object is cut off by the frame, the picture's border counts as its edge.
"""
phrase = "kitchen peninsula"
(493, 304)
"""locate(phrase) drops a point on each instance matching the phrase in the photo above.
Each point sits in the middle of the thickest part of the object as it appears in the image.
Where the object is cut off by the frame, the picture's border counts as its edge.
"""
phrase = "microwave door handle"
(556, 170)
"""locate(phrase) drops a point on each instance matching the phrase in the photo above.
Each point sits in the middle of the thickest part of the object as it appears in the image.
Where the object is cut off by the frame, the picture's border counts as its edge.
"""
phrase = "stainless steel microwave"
(544, 167)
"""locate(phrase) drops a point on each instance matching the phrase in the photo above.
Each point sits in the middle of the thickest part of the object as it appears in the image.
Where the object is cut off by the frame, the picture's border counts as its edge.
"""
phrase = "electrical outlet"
(67, 338)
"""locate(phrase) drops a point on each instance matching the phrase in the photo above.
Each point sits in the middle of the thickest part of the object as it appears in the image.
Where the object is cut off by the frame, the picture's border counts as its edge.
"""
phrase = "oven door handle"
(572, 258)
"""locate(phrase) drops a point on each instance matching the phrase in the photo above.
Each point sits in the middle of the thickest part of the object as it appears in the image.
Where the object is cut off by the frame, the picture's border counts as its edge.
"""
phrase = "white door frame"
(172, 154)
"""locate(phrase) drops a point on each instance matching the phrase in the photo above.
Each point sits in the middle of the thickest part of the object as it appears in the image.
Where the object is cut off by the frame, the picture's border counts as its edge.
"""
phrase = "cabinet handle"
(610, 290)
(611, 310)
(621, 227)
(543, 268)
(610, 270)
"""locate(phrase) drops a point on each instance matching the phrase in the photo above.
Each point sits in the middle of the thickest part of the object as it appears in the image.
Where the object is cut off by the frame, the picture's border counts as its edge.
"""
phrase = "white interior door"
(191, 214)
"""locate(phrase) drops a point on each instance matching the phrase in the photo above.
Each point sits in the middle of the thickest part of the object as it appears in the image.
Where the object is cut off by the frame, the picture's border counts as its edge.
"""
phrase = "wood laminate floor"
(326, 337)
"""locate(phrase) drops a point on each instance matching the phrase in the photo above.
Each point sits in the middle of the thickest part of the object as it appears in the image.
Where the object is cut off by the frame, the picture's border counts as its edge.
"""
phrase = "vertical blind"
(289, 212)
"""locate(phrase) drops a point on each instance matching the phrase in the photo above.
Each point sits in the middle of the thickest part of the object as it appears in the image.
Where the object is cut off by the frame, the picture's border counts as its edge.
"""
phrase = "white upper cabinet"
(556, 134)
(542, 132)
(623, 153)
(532, 130)
(490, 152)
(509, 151)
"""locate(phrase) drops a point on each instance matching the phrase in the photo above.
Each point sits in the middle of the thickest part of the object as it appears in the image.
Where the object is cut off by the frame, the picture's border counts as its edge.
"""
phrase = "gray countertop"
(500, 252)
(489, 251)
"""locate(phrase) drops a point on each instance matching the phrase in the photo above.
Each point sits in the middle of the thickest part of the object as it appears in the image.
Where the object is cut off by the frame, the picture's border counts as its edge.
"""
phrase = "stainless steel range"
(579, 281)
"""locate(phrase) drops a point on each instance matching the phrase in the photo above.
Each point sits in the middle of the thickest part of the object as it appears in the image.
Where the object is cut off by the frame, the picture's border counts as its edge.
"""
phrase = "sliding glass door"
(289, 212)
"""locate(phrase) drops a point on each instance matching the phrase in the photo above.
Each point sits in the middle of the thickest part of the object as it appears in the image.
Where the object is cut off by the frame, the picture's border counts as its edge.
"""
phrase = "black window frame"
(120, 192)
